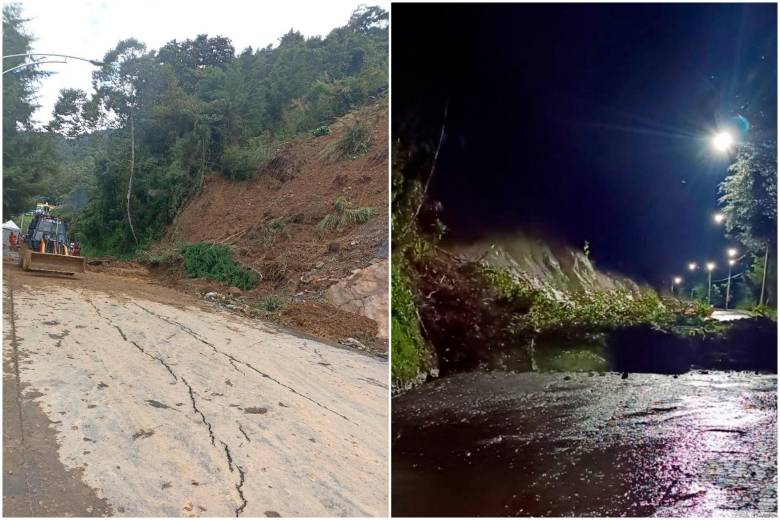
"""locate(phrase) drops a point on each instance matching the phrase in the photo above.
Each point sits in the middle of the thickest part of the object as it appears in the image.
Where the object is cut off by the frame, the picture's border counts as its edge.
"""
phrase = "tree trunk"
(130, 182)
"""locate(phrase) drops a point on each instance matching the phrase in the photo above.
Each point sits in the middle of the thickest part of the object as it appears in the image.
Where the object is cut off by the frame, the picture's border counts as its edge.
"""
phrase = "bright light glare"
(710, 266)
(718, 218)
(692, 266)
(732, 262)
(677, 280)
(732, 252)
(722, 141)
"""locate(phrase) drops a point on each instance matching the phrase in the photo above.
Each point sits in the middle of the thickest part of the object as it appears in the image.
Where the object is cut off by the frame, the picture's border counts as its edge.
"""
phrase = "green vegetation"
(352, 144)
(581, 310)
(748, 199)
(128, 154)
(203, 260)
(271, 304)
(321, 130)
(408, 346)
(345, 216)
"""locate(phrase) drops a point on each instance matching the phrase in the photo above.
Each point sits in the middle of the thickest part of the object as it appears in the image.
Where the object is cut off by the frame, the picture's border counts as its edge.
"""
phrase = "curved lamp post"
(32, 55)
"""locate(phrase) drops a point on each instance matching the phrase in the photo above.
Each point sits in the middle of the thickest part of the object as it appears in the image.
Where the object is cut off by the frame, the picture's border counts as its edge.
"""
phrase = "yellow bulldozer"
(46, 247)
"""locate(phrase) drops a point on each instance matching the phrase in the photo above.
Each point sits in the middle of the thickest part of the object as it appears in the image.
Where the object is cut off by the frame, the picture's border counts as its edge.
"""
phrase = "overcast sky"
(89, 28)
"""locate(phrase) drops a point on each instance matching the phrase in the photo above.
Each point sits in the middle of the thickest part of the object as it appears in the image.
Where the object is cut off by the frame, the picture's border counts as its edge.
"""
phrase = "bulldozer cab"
(51, 230)
(47, 247)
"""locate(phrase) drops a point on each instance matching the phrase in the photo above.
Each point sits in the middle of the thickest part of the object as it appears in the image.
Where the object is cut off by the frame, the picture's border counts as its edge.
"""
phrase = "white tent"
(9, 227)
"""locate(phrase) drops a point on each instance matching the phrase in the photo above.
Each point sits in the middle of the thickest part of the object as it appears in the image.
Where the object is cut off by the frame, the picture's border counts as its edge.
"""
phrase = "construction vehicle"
(46, 247)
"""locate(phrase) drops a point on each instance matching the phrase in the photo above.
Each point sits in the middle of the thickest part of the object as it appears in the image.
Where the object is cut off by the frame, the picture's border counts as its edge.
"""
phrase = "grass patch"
(271, 304)
(321, 130)
(203, 260)
(354, 143)
(344, 216)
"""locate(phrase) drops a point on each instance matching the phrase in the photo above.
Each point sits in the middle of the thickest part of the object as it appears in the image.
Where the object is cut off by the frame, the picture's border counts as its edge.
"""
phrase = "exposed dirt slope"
(272, 219)
(271, 222)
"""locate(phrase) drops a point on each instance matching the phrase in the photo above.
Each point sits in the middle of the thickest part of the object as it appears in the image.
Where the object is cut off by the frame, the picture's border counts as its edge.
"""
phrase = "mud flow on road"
(159, 407)
(504, 444)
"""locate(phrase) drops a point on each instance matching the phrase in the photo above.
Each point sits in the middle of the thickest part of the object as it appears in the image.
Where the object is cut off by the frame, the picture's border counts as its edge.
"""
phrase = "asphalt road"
(118, 404)
(701, 444)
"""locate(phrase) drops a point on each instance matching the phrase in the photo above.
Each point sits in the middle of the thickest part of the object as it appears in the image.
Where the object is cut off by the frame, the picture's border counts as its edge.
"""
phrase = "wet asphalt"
(527, 444)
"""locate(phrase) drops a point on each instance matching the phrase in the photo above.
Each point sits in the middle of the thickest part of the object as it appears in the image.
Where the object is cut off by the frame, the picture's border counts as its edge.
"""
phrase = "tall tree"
(28, 155)
(116, 84)
(748, 197)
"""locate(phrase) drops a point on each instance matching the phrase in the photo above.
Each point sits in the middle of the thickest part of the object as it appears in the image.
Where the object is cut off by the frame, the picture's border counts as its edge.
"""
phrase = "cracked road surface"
(162, 407)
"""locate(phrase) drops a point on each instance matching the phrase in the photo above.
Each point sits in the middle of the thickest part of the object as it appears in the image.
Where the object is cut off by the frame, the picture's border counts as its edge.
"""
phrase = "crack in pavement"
(240, 489)
(232, 358)
(136, 345)
(241, 429)
(242, 477)
(203, 417)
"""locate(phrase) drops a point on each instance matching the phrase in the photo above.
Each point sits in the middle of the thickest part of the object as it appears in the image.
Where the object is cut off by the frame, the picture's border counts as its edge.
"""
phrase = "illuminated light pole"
(692, 266)
(728, 284)
(731, 252)
(719, 218)
(710, 268)
(676, 281)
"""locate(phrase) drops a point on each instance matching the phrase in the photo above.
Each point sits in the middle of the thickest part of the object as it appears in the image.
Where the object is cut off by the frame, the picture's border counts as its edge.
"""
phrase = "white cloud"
(89, 28)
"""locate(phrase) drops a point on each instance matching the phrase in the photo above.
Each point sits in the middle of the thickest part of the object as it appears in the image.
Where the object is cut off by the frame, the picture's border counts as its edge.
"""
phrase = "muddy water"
(498, 444)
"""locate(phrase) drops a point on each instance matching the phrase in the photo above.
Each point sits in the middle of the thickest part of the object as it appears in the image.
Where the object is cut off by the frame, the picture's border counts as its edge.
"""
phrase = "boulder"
(364, 292)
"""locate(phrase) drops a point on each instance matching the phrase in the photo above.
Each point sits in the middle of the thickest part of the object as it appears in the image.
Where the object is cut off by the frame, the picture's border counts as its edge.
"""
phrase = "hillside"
(555, 268)
(271, 222)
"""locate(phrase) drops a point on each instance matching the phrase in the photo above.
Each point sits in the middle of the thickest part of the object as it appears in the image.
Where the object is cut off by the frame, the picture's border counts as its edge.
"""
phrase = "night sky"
(585, 122)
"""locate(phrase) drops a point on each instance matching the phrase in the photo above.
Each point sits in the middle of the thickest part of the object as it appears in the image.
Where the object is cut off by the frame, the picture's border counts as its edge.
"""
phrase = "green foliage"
(345, 216)
(765, 311)
(214, 261)
(29, 155)
(354, 143)
(581, 310)
(191, 108)
(748, 196)
(321, 130)
(409, 355)
(271, 304)
(244, 162)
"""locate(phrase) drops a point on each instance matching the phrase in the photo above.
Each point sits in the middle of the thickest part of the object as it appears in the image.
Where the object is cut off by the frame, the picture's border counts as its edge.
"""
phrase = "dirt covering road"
(159, 406)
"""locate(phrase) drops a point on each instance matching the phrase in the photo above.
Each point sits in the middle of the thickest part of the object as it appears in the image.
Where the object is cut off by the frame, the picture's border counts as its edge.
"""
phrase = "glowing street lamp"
(676, 281)
(731, 252)
(719, 218)
(710, 267)
(692, 266)
(722, 142)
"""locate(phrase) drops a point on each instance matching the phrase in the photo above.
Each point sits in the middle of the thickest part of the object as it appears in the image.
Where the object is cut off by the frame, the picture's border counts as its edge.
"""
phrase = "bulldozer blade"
(32, 261)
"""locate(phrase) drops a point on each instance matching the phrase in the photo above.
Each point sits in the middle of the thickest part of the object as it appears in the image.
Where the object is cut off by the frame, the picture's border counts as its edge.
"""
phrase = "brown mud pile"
(271, 224)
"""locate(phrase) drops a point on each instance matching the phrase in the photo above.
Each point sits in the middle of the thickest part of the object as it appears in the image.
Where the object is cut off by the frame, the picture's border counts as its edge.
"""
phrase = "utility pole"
(728, 287)
(763, 278)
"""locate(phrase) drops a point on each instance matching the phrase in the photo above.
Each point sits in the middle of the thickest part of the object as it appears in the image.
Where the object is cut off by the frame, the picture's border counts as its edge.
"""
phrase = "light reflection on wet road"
(496, 444)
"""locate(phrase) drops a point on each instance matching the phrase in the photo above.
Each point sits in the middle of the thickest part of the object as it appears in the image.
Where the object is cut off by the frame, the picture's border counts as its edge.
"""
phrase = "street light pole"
(44, 54)
(763, 278)
(728, 286)
(710, 267)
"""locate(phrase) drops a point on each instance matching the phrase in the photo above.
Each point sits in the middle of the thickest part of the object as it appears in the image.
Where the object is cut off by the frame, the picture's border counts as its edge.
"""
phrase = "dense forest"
(123, 158)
